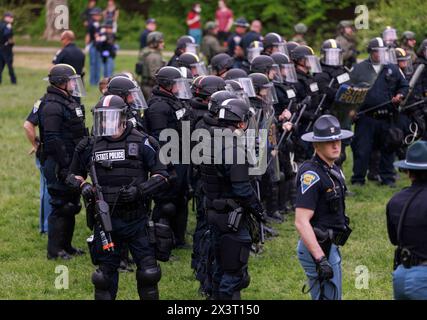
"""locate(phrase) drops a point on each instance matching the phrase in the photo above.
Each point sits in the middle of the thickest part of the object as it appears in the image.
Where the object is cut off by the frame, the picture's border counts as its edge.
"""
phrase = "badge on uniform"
(36, 106)
(79, 112)
(314, 87)
(180, 113)
(290, 93)
(343, 78)
(133, 149)
(308, 179)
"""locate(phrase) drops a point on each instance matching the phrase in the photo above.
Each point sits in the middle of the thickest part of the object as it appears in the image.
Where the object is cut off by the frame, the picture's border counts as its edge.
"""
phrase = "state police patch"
(308, 179)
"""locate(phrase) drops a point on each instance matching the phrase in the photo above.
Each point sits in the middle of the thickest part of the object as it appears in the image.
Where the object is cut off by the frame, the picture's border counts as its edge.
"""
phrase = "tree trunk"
(52, 32)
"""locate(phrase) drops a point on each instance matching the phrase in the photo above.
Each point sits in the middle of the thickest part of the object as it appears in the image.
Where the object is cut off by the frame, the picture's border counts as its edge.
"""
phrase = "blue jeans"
(410, 284)
(45, 207)
(332, 289)
(108, 67)
(196, 34)
(95, 65)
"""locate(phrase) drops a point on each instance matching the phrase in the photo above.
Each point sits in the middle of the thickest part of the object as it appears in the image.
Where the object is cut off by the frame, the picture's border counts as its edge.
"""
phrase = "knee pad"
(234, 253)
(100, 280)
(149, 272)
(69, 209)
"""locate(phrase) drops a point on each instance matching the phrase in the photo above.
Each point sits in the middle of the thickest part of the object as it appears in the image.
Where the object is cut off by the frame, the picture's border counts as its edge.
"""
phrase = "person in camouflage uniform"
(300, 31)
(346, 39)
(151, 60)
(408, 43)
(210, 44)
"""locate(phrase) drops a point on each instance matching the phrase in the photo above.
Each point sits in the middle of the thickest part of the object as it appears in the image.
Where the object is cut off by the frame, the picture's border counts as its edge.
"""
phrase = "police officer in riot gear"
(406, 225)
(329, 80)
(283, 110)
(62, 126)
(220, 64)
(274, 43)
(183, 45)
(306, 65)
(229, 194)
(191, 61)
(320, 210)
(203, 88)
(119, 160)
(130, 92)
(376, 126)
(389, 36)
(167, 111)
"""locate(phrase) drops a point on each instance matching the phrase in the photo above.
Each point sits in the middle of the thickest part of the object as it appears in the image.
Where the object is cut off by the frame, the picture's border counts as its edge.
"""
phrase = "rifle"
(319, 107)
(102, 212)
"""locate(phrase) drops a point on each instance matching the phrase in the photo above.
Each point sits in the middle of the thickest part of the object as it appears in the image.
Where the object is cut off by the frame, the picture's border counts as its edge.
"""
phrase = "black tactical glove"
(61, 174)
(87, 192)
(129, 194)
(324, 269)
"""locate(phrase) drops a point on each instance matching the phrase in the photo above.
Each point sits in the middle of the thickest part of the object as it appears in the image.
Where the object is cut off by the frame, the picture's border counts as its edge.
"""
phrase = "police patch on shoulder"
(36, 106)
(308, 179)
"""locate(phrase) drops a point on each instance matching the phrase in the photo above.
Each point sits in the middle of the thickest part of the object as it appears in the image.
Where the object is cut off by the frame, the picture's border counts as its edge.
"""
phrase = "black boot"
(56, 237)
(70, 222)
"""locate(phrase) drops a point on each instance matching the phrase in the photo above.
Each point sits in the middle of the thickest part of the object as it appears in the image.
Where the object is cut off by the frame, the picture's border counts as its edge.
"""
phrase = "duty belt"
(409, 260)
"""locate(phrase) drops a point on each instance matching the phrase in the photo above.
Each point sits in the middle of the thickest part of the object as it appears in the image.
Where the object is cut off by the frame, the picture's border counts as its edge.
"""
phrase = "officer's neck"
(328, 162)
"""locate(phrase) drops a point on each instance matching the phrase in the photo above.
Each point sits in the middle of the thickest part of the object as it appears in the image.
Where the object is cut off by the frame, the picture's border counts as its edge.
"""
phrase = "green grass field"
(25, 273)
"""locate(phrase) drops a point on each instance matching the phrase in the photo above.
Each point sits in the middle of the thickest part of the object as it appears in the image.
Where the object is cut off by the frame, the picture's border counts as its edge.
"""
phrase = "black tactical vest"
(119, 164)
(74, 128)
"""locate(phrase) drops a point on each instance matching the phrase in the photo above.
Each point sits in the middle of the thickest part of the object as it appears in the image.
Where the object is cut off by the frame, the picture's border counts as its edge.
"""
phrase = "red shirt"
(223, 18)
(196, 25)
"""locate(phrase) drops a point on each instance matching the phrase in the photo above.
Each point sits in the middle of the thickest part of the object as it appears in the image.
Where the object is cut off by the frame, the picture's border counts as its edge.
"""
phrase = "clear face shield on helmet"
(333, 57)
(313, 64)
(199, 69)
(76, 87)
(380, 55)
(274, 74)
(268, 95)
(288, 72)
(108, 122)
(136, 100)
(252, 53)
(406, 65)
(247, 86)
(182, 89)
(192, 48)
(391, 56)
(389, 36)
(280, 47)
(238, 91)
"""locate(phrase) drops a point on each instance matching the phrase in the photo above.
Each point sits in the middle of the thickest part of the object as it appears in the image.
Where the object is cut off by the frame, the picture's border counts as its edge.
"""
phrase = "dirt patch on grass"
(34, 61)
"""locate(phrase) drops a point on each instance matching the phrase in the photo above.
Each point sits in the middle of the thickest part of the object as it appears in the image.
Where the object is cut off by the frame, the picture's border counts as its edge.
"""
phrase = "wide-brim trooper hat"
(327, 128)
(416, 157)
